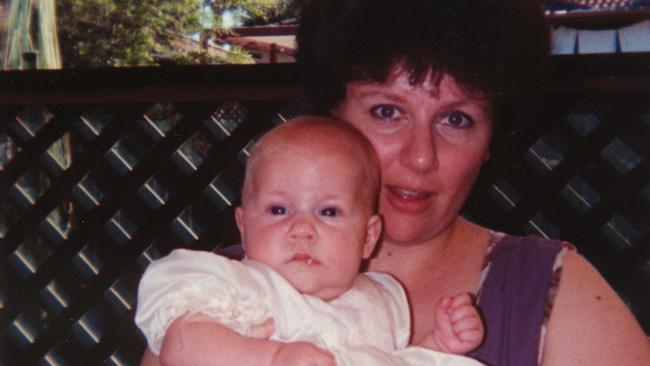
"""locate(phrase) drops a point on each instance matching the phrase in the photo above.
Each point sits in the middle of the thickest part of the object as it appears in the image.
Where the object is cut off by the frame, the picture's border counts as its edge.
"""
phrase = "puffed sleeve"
(397, 303)
(189, 282)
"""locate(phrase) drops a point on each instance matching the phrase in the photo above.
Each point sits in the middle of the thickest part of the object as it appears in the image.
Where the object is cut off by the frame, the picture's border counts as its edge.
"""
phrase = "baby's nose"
(302, 229)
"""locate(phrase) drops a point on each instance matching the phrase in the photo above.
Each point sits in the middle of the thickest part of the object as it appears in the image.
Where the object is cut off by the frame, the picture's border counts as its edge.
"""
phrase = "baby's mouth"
(304, 258)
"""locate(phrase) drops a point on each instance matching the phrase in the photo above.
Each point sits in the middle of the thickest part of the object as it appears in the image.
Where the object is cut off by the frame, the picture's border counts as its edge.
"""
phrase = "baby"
(307, 221)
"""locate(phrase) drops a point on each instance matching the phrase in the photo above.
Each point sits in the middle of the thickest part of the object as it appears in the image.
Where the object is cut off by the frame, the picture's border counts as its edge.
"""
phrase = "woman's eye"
(330, 212)
(386, 112)
(278, 210)
(456, 119)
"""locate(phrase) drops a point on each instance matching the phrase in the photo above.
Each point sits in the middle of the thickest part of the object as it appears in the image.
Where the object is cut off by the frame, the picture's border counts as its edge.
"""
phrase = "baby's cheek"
(350, 268)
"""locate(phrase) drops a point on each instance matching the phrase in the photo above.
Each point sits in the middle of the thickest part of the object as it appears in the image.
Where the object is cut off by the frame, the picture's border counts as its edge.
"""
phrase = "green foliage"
(96, 33)
(236, 56)
(285, 9)
(254, 8)
(253, 12)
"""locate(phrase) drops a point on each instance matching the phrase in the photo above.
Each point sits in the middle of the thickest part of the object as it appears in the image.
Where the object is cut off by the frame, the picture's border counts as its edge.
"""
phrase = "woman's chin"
(407, 230)
(405, 236)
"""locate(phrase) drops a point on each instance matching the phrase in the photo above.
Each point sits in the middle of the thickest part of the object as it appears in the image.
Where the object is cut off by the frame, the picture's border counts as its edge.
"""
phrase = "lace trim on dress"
(225, 305)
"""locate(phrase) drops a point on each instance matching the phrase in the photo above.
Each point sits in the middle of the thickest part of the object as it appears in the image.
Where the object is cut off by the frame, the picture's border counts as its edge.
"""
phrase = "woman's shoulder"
(590, 324)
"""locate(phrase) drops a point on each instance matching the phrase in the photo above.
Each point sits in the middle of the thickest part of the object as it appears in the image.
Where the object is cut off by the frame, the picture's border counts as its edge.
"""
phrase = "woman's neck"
(435, 257)
(447, 265)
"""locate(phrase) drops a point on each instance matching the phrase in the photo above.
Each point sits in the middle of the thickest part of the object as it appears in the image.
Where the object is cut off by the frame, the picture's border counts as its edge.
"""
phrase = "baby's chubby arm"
(458, 326)
(201, 340)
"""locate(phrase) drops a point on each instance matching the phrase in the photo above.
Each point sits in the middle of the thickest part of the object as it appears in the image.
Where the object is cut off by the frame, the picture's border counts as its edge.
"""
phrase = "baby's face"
(306, 217)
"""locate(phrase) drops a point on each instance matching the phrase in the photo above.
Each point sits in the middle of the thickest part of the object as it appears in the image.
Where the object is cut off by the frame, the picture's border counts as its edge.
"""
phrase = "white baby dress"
(368, 325)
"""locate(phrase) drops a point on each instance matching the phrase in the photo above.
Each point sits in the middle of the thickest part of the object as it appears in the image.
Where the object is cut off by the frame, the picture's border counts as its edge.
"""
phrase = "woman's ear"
(373, 232)
(239, 218)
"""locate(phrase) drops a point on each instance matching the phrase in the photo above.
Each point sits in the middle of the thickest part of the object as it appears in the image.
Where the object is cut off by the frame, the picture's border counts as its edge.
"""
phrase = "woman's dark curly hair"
(496, 47)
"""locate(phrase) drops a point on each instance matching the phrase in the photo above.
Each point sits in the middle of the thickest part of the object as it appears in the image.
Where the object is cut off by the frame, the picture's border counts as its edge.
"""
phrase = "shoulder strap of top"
(513, 299)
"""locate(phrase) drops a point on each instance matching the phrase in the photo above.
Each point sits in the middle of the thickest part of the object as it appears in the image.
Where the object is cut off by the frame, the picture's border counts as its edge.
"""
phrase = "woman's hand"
(302, 354)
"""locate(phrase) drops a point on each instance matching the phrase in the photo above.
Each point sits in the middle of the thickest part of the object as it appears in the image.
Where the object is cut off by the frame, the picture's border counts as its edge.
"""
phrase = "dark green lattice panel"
(580, 172)
(91, 195)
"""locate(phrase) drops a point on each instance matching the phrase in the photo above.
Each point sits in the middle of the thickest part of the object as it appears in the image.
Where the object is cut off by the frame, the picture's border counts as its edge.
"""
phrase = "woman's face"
(431, 141)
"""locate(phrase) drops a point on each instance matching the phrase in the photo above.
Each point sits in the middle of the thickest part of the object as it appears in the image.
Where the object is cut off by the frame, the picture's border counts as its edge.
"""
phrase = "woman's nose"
(419, 152)
(302, 229)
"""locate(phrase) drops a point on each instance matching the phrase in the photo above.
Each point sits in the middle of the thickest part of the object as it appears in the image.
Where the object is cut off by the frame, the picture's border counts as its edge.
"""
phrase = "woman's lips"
(305, 259)
(409, 201)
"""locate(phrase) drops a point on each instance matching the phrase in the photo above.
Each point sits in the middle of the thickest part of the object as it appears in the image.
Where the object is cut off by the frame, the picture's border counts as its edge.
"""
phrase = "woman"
(427, 82)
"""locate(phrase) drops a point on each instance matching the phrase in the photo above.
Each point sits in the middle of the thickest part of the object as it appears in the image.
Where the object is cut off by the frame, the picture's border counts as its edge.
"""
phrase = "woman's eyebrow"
(459, 103)
(379, 93)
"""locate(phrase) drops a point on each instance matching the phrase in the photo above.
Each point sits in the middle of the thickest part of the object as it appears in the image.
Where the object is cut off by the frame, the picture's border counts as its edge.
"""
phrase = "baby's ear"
(373, 232)
(239, 218)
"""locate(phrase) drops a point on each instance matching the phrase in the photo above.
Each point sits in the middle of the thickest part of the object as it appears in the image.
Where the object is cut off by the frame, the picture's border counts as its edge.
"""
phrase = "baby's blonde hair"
(323, 131)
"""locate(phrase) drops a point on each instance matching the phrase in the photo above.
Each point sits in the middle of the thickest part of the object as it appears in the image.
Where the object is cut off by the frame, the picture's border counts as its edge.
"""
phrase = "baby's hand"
(302, 354)
(458, 326)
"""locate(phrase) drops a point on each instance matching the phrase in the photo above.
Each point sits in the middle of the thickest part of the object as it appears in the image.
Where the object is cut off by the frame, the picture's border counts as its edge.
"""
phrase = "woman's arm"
(590, 324)
(199, 340)
(191, 341)
(149, 359)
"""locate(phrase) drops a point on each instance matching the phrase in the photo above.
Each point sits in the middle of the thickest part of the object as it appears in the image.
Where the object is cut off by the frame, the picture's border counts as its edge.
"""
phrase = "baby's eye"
(329, 211)
(386, 112)
(457, 119)
(278, 210)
